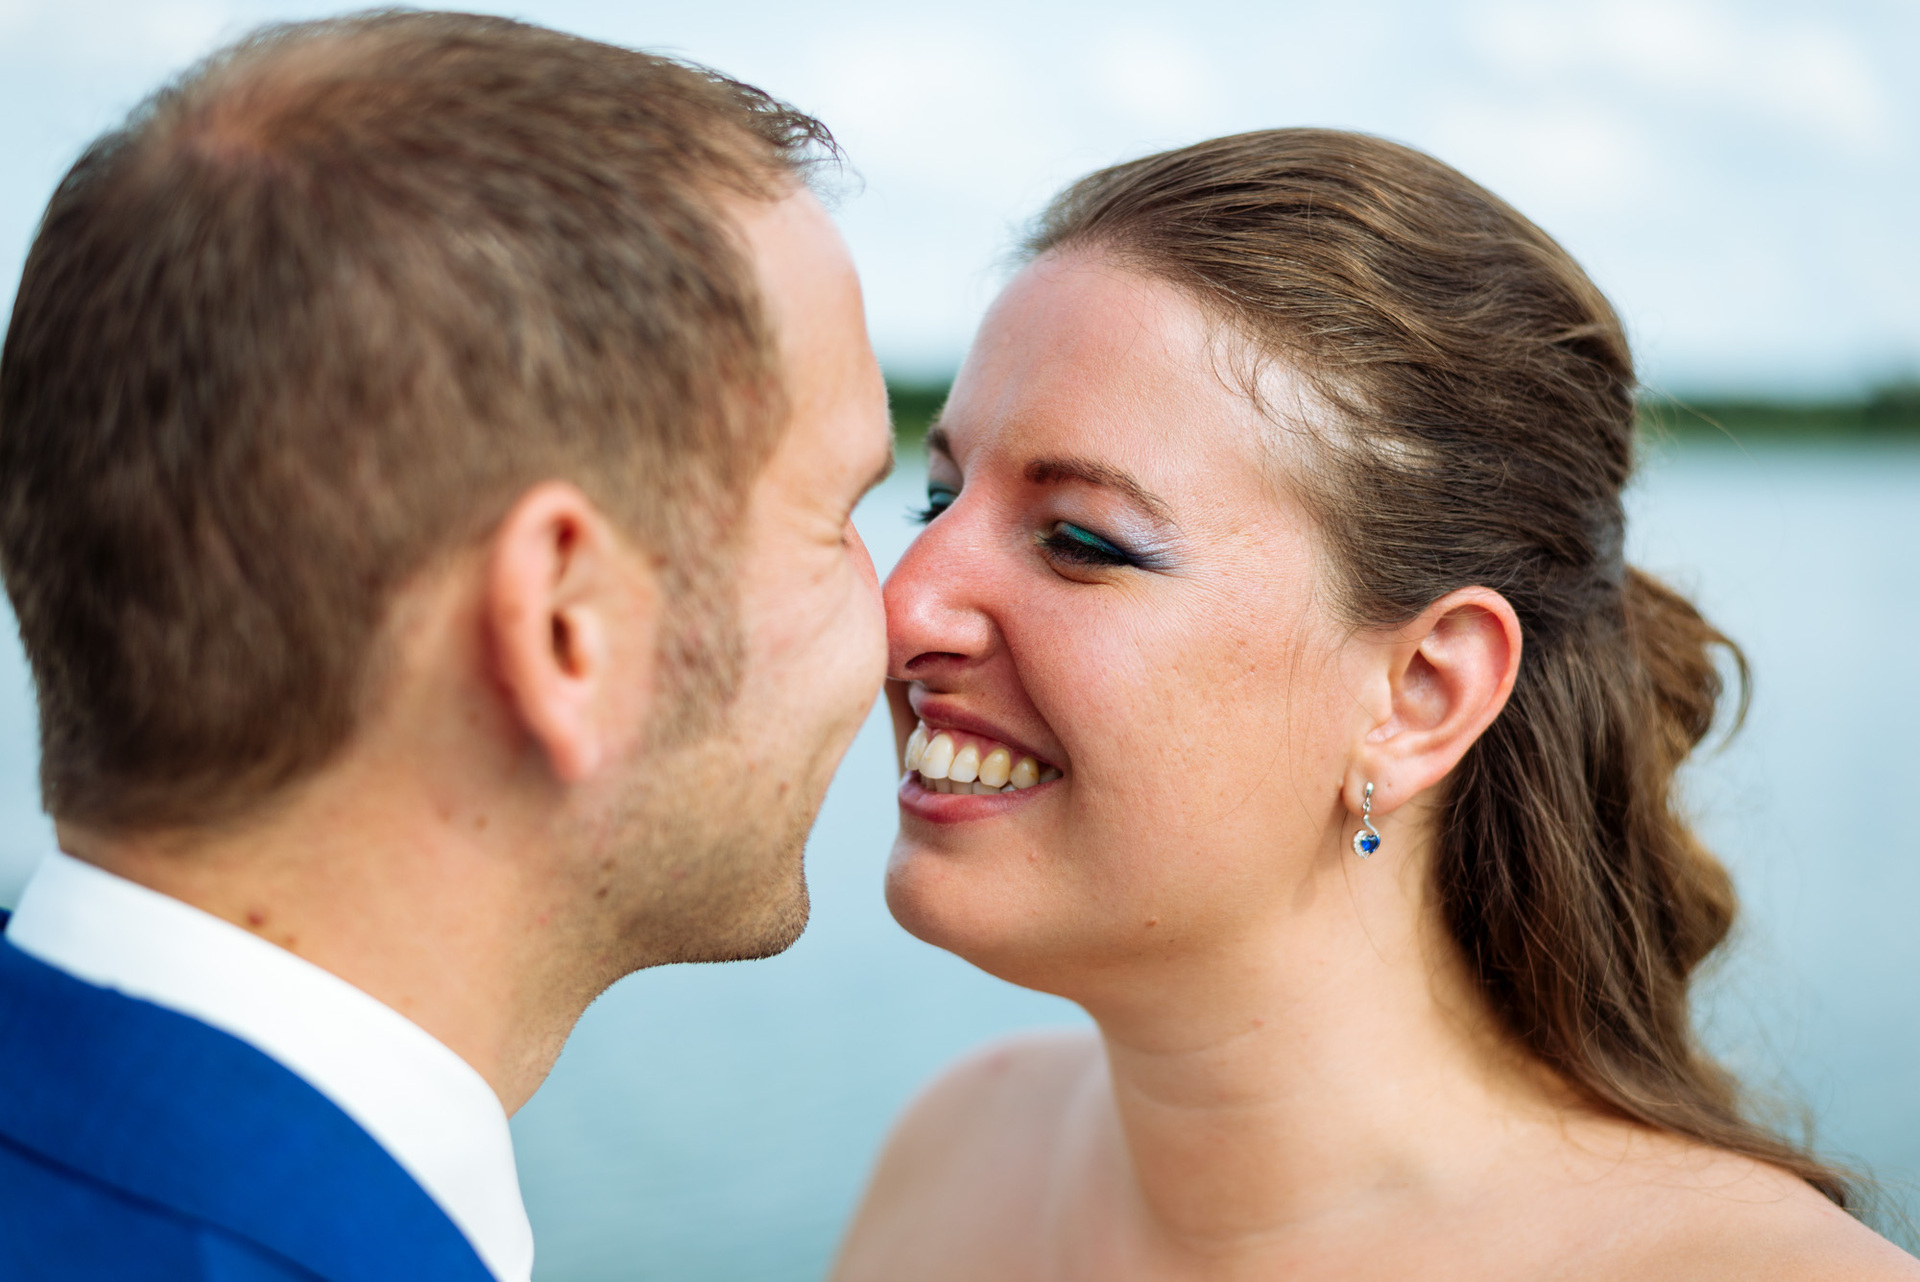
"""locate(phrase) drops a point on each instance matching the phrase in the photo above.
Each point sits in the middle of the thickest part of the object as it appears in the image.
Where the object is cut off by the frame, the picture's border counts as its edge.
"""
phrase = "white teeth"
(961, 770)
(966, 765)
(994, 770)
(937, 757)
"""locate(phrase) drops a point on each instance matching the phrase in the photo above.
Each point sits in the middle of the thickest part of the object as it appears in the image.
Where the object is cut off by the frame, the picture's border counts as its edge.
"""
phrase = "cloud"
(1740, 175)
(1569, 154)
(935, 104)
(1802, 73)
(87, 35)
(1153, 78)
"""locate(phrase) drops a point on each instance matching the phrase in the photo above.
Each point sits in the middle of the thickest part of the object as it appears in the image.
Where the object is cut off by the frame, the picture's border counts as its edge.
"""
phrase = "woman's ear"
(572, 614)
(1449, 674)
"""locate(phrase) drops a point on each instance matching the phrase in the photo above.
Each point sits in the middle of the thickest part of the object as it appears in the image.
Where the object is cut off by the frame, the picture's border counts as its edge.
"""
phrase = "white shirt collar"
(425, 1105)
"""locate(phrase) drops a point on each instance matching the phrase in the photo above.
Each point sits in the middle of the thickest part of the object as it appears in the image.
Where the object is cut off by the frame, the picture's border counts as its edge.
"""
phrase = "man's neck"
(418, 906)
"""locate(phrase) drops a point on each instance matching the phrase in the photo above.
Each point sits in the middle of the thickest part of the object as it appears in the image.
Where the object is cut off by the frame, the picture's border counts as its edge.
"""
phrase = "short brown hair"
(317, 313)
(1482, 425)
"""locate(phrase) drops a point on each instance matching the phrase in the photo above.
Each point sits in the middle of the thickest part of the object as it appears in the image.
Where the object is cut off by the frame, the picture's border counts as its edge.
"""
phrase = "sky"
(1741, 178)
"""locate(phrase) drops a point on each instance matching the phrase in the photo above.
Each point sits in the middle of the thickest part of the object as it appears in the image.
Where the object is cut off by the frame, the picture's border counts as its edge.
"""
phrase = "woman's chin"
(972, 912)
(924, 899)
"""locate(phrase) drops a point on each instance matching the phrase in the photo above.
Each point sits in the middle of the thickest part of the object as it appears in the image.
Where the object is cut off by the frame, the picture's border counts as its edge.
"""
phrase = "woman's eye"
(939, 499)
(1076, 546)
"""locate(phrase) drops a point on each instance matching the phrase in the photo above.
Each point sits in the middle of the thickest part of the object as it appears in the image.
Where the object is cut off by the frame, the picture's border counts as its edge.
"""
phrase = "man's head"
(358, 303)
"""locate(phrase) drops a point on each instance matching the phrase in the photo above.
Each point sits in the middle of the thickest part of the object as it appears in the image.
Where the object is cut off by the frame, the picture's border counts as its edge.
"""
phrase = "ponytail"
(1582, 900)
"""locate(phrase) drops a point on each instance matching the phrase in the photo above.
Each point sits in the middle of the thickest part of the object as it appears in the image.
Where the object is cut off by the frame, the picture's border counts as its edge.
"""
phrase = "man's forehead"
(794, 245)
(837, 433)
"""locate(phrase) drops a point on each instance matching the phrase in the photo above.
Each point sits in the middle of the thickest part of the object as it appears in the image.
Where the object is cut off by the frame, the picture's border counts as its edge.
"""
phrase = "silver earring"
(1367, 839)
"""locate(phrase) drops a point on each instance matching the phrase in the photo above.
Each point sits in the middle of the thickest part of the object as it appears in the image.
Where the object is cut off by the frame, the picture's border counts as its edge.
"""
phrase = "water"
(1807, 556)
(716, 1122)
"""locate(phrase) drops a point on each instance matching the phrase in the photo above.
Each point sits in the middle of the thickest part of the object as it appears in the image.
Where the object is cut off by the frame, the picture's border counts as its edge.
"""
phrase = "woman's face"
(1113, 585)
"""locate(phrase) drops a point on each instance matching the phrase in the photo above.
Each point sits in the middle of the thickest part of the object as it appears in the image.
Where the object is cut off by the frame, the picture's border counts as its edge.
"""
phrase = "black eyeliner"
(925, 515)
(1084, 547)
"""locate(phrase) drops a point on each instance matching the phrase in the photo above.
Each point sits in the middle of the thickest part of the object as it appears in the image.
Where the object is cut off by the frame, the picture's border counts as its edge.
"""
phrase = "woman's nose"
(936, 616)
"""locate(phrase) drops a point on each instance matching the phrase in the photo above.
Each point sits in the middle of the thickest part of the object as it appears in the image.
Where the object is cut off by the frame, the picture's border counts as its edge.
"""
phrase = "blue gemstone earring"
(1367, 839)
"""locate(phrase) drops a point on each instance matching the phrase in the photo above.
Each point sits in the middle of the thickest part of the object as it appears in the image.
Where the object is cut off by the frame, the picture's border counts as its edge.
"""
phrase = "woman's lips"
(953, 775)
(923, 802)
(940, 712)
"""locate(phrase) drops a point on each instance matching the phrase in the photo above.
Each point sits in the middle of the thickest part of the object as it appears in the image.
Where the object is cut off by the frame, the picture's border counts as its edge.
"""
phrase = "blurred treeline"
(914, 405)
(1891, 410)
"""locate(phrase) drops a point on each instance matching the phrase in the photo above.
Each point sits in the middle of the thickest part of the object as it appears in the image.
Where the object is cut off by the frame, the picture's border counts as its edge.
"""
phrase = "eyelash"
(934, 507)
(1064, 542)
(1083, 547)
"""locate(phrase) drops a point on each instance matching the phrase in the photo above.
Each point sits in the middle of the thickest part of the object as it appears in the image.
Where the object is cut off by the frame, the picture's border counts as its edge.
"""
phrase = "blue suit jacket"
(136, 1142)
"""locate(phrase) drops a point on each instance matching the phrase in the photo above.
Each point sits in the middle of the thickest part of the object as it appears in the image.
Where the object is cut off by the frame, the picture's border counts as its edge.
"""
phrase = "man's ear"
(1450, 672)
(572, 614)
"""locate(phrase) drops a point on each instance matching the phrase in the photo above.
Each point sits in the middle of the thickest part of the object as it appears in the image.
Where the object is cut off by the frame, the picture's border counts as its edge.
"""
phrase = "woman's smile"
(950, 760)
(942, 764)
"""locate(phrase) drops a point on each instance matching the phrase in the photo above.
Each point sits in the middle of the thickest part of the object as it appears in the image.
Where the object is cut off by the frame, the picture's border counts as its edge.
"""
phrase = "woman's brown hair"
(1481, 429)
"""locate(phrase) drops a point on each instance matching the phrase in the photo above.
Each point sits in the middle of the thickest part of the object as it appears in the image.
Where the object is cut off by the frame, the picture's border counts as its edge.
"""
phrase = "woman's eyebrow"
(1055, 471)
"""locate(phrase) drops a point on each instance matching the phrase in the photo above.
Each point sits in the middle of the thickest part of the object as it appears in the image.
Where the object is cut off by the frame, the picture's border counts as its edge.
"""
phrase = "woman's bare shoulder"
(1007, 1081)
(1791, 1232)
(967, 1160)
(988, 1101)
(1708, 1214)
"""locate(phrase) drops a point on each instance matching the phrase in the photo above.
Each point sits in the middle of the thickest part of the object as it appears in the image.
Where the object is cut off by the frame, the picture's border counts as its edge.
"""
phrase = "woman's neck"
(1335, 1060)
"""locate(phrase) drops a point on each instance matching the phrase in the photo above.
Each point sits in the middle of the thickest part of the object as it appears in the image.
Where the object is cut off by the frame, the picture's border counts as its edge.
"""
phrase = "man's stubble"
(714, 868)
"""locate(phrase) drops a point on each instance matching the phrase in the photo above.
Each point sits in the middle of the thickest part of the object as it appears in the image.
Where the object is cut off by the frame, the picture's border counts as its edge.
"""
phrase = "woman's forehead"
(1085, 357)
(1086, 316)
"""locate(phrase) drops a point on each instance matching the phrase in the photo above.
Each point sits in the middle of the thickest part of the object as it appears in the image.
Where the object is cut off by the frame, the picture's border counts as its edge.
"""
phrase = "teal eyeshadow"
(1089, 538)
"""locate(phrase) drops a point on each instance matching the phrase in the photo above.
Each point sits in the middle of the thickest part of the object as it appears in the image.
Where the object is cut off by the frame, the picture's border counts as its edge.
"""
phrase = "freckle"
(255, 918)
(480, 823)
(290, 942)
(601, 893)
(446, 814)
(606, 865)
